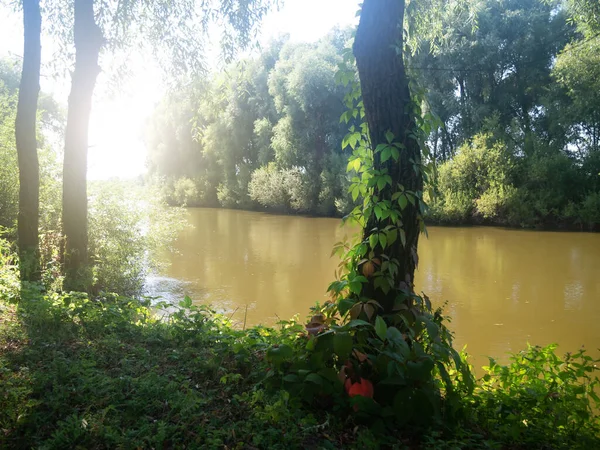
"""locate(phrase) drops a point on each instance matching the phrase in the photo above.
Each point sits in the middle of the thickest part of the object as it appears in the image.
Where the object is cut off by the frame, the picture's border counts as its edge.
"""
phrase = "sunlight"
(116, 147)
(116, 129)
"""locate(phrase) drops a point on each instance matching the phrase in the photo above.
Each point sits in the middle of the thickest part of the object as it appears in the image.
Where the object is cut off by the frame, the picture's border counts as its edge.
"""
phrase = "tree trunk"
(25, 134)
(388, 107)
(88, 42)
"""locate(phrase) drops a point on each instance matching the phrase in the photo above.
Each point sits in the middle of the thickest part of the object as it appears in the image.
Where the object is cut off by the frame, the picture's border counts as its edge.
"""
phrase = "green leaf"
(386, 154)
(378, 212)
(344, 305)
(345, 142)
(402, 201)
(355, 287)
(402, 237)
(291, 378)
(420, 370)
(373, 239)
(380, 328)
(382, 240)
(432, 329)
(314, 378)
(389, 136)
(279, 353)
(358, 323)
(342, 344)
(186, 303)
(392, 236)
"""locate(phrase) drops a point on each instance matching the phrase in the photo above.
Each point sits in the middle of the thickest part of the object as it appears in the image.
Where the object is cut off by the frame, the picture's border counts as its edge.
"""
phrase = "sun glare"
(116, 141)
(116, 148)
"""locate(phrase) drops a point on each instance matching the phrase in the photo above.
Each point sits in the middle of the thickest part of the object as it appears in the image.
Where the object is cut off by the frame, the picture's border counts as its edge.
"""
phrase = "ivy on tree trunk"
(26, 139)
(88, 42)
(389, 112)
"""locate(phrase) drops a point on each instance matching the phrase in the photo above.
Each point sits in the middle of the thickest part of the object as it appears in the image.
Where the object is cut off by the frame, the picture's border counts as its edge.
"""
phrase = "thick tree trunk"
(88, 42)
(25, 133)
(388, 107)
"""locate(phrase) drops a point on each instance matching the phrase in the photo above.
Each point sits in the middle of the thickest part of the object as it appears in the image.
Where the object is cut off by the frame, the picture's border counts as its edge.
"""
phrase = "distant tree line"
(264, 132)
(517, 97)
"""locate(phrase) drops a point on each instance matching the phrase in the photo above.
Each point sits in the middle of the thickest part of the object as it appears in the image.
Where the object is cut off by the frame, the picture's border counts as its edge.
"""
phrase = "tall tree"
(171, 24)
(389, 109)
(26, 140)
(88, 42)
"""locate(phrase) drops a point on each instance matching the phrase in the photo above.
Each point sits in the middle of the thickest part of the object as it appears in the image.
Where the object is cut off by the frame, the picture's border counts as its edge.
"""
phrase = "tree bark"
(388, 107)
(88, 42)
(26, 139)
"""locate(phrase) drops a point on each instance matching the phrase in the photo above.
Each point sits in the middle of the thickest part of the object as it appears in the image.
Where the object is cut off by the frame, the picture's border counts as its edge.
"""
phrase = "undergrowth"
(99, 373)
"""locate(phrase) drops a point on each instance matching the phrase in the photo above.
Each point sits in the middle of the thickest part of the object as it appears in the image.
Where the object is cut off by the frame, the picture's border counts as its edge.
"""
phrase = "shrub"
(476, 182)
(128, 225)
(9, 175)
(540, 400)
(590, 210)
(9, 272)
(185, 192)
(280, 189)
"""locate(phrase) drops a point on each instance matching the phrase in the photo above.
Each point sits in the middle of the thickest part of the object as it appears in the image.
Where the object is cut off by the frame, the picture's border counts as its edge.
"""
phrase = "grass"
(106, 373)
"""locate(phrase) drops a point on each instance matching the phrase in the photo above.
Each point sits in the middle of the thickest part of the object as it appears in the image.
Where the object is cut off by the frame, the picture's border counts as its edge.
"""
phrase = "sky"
(116, 145)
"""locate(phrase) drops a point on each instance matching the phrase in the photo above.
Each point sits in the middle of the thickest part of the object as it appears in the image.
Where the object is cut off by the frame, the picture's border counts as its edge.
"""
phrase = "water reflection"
(504, 288)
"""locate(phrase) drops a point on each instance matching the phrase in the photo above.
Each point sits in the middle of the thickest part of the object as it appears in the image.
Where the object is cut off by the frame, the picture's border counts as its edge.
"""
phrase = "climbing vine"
(377, 344)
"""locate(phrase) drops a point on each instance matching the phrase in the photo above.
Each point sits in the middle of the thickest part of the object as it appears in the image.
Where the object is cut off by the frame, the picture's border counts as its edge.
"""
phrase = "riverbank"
(435, 216)
(106, 373)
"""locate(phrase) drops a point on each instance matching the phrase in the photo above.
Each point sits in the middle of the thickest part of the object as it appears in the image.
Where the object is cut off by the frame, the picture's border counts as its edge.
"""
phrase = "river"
(503, 288)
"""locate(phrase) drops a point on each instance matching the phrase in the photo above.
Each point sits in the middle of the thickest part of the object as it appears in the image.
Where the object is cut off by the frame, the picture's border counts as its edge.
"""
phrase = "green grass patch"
(107, 373)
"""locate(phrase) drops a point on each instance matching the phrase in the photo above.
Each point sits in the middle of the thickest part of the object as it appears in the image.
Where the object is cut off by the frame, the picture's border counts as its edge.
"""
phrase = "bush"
(476, 183)
(128, 225)
(185, 192)
(280, 189)
(9, 272)
(9, 175)
(540, 400)
(590, 210)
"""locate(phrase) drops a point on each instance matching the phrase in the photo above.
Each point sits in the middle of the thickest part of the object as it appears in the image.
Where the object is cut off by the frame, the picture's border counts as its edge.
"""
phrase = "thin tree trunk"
(388, 107)
(26, 139)
(88, 42)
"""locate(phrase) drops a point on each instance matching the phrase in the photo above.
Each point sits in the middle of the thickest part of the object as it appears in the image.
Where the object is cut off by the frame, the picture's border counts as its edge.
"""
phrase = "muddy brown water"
(503, 288)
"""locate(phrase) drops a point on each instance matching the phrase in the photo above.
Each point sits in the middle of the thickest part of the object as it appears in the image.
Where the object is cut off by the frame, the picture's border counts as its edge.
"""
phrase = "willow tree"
(172, 29)
(88, 42)
(26, 140)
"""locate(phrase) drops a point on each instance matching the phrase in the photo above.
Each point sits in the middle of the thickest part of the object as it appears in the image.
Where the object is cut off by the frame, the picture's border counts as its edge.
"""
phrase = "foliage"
(280, 190)
(540, 397)
(50, 120)
(9, 178)
(577, 70)
(107, 372)
(273, 117)
(377, 346)
(129, 225)
(475, 183)
(9, 272)
(516, 71)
